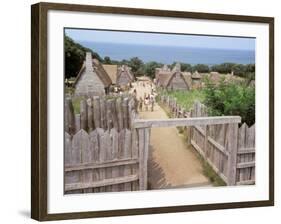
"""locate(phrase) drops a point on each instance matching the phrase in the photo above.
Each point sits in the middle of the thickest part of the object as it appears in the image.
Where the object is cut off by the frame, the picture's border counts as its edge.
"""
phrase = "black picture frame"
(39, 108)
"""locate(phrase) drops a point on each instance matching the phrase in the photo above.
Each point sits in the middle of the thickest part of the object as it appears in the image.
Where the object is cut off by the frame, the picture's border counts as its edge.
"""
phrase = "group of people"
(148, 100)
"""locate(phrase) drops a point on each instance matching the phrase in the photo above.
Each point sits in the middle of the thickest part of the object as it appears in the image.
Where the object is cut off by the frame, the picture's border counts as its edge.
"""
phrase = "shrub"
(231, 99)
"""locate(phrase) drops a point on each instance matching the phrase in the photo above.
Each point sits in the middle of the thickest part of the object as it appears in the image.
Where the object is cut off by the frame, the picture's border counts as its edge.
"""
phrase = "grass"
(76, 103)
(211, 174)
(186, 98)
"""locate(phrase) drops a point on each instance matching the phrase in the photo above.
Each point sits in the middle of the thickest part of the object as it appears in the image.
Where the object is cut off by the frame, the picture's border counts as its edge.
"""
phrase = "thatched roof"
(104, 77)
(170, 77)
(215, 77)
(98, 68)
(196, 75)
(187, 78)
(163, 76)
(111, 71)
(125, 70)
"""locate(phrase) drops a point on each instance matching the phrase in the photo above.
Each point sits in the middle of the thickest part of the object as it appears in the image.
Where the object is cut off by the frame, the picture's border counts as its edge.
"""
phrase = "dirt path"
(171, 162)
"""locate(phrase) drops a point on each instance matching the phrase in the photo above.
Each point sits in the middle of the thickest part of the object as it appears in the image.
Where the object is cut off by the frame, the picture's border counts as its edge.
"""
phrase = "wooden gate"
(143, 126)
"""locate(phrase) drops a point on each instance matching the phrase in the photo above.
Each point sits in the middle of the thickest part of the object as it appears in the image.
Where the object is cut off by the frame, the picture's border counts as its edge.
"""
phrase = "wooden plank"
(250, 142)
(96, 112)
(115, 169)
(109, 114)
(197, 147)
(86, 156)
(246, 150)
(90, 114)
(246, 182)
(148, 123)
(209, 161)
(232, 147)
(77, 123)
(141, 143)
(109, 157)
(146, 153)
(103, 114)
(102, 146)
(68, 177)
(200, 130)
(101, 183)
(94, 144)
(77, 144)
(69, 116)
(218, 146)
(135, 155)
(241, 145)
(121, 147)
(245, 164)
(83, 115)
(127, 154)
(114, 114)
(125, 112)
(119, 113)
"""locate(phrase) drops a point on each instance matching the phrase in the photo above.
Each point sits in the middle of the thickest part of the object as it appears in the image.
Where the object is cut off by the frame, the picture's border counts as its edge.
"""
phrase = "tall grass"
(186, 98)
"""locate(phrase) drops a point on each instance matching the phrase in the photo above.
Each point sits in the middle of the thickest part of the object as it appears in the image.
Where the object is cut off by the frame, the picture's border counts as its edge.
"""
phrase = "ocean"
(170, 54)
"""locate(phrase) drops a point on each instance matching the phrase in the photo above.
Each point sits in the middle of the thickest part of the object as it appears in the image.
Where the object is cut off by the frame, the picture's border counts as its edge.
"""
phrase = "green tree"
(136, 64)
(74, 55)
(149, 68)
(223, 68)
(107, 60)
(185, 67)
(201, 68)
(231, 99)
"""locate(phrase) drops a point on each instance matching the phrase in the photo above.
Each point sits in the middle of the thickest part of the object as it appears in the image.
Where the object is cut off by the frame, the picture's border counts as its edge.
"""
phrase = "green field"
(186, 98)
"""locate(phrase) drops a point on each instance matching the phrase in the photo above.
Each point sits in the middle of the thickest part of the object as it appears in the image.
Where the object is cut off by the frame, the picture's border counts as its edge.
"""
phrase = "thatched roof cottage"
(111, 70)
(173, 80)
(92, 78)
(124, 76)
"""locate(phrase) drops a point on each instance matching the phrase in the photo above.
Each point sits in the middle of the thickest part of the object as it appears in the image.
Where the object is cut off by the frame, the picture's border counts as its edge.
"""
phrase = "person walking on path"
(152, 100)
(140, 103)
(146, 103)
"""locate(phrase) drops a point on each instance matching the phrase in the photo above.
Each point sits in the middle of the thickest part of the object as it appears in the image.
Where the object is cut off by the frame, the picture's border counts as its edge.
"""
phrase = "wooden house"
(124, 76)
(92, 78)
(161, 75)
(173, 80)
(177, 81)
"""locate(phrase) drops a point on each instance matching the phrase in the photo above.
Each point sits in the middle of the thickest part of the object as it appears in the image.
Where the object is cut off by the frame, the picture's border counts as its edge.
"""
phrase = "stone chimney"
(89, 62)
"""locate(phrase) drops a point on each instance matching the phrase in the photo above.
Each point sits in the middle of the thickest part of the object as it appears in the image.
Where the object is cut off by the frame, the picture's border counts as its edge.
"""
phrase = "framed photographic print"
(139, 111)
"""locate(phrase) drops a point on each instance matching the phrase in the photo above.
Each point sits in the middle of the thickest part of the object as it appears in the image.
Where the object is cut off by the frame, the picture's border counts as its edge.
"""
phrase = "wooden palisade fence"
(101, 148)
(106, 145)
(229, 150)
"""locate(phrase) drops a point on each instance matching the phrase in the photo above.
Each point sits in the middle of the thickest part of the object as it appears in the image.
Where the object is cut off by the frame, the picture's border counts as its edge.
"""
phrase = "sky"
(176, 40)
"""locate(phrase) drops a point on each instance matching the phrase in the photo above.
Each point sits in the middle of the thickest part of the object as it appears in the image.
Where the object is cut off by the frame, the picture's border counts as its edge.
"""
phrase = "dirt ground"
(171, 163)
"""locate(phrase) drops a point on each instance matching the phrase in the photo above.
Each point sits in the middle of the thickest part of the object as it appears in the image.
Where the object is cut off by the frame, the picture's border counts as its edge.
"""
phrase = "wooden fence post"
(69, 117)
(83, 115)
(140, 133)
(232, 149)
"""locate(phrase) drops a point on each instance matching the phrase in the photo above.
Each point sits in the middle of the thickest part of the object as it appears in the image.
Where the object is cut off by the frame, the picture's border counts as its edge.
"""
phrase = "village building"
(124, 76)
(196, 80)
(173, 80)
(92, 78)
(111, 70)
